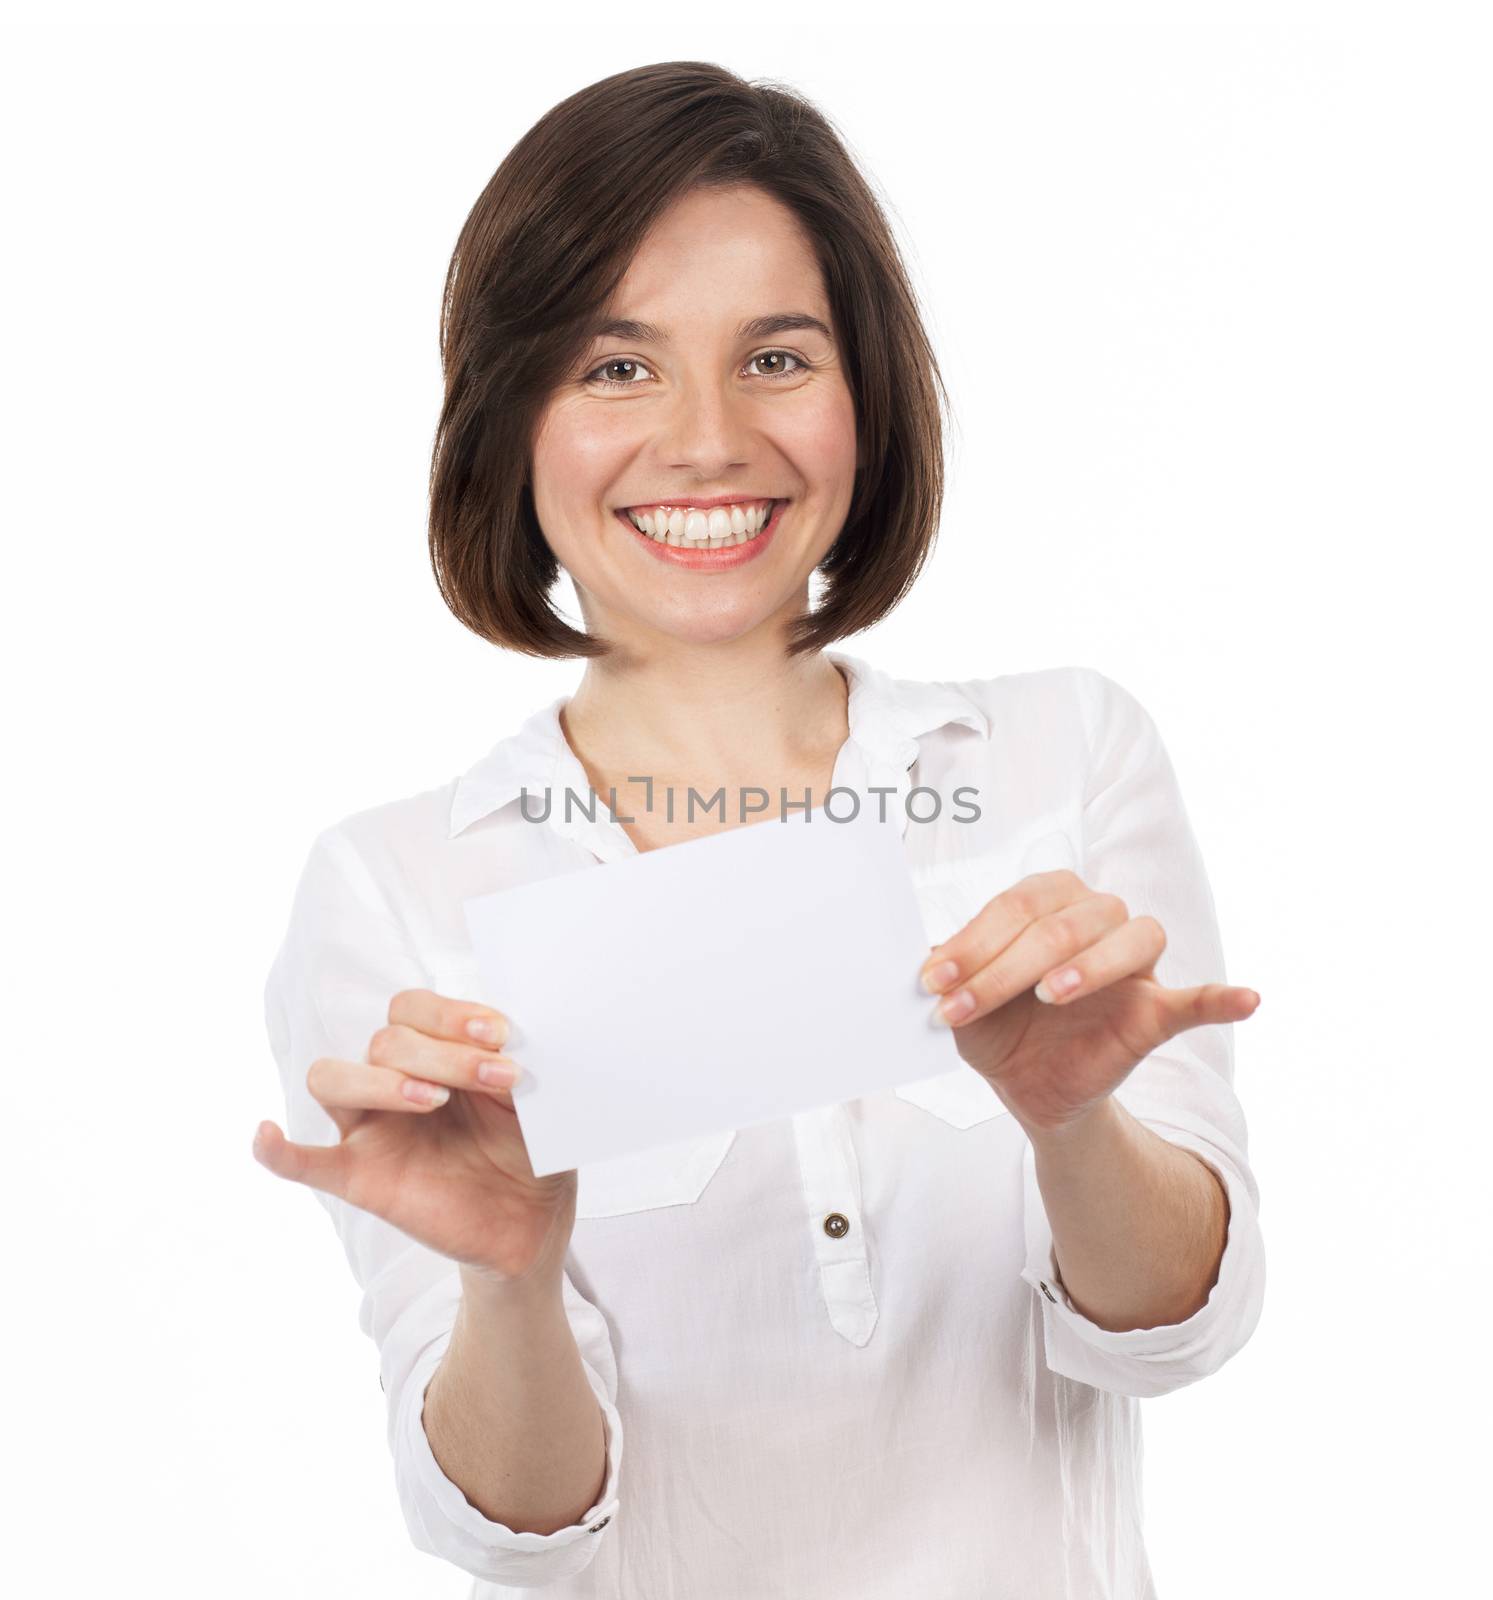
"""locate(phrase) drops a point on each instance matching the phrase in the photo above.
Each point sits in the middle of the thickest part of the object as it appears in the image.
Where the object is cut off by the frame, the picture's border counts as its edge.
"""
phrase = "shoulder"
(1050, 703)
(1062, 729)
(393, 840)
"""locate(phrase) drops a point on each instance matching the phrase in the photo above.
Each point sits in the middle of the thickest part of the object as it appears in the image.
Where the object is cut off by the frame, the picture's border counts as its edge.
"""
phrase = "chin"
(708, 628)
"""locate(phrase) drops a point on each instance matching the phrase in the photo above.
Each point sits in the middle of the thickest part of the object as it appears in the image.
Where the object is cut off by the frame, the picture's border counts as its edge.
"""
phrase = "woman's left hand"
(1052, 1060)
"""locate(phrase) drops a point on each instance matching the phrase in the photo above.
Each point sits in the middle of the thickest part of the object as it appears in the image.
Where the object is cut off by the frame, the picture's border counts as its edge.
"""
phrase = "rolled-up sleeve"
(1138, 843)
(344, 955)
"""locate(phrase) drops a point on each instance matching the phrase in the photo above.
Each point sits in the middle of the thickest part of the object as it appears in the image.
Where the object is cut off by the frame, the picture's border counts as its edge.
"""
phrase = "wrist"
(1097, 1124)
(484, 1290)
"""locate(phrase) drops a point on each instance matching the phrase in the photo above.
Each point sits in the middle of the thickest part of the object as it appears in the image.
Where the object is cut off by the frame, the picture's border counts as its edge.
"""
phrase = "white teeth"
(704, 530)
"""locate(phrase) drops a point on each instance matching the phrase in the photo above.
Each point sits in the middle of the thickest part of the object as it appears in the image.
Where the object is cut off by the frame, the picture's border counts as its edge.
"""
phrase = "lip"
(722, 560)
(696, 503)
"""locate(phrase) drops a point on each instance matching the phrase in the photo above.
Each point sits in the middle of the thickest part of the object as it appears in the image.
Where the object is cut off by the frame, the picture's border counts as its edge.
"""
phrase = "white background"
(1213, 306)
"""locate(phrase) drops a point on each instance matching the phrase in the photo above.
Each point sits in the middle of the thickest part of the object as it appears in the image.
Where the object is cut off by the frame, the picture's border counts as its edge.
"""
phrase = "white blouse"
(832, 1351)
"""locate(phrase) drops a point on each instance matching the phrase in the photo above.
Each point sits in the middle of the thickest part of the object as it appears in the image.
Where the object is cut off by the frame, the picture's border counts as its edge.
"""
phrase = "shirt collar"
(887, 717)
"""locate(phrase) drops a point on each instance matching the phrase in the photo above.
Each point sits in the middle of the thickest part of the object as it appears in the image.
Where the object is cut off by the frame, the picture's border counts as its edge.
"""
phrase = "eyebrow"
(755, 328)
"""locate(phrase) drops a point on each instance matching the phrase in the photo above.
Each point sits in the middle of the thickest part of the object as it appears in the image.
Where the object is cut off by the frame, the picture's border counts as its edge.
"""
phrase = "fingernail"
(937, 978)
(955, 1008)
(485, 1029)
(1058, 983)
(498, 1074)
(425, 1094)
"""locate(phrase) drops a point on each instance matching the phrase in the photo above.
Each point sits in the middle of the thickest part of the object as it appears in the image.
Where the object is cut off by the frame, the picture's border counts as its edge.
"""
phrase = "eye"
(616, 383)
(779, 355)
(634, 367)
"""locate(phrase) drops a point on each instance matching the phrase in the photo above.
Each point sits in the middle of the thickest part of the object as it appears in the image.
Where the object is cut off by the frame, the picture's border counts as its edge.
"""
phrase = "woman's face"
(701, 406)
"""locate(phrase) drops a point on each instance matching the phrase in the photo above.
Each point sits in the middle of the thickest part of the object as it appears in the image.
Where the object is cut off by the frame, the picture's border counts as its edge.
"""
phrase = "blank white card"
(709, 985)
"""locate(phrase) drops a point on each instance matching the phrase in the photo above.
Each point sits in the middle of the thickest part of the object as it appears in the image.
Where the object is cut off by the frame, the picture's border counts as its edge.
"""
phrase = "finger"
(345, 1117)
(997, 924)
(1205, 1004)
(465, 1020)
(1134, 947)
(1052, 941)
(355, 1085)
(324, 1167)
(459, 1066)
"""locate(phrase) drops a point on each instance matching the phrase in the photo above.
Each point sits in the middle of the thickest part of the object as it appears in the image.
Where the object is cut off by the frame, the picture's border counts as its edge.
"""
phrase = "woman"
(893, 1346)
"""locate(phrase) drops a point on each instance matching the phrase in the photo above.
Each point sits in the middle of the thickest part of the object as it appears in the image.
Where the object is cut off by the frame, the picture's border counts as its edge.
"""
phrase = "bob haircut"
(534, 268)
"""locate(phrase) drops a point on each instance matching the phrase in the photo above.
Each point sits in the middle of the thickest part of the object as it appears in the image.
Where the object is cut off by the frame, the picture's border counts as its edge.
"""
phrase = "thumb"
(319, 1166)
(1207, 1003)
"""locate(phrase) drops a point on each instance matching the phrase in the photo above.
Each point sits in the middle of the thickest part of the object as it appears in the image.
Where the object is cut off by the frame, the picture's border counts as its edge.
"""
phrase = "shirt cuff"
(1152, 1361)
(443, 1522)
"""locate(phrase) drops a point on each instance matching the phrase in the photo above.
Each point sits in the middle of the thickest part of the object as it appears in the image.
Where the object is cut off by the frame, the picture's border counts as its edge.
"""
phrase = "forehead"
(720, 257)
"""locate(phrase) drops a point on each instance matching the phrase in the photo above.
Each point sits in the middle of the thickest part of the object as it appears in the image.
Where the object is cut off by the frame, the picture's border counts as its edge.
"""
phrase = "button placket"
(831, 1177)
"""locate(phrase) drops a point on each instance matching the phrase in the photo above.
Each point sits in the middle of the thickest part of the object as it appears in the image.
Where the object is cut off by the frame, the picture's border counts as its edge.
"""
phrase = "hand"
(1053, 1055)
(430, 1147)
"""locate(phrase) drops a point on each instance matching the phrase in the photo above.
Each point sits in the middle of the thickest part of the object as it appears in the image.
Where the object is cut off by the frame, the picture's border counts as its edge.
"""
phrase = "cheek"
(579, 450)
(822, 438)
(598, 445)
(576, 453)
(579, 455)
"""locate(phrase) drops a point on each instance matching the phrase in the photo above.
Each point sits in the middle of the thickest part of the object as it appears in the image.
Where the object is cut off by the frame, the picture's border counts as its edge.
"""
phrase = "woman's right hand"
(430, 1147)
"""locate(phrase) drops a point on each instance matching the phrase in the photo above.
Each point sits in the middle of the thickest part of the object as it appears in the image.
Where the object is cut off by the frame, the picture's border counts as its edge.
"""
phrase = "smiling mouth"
(690, 528)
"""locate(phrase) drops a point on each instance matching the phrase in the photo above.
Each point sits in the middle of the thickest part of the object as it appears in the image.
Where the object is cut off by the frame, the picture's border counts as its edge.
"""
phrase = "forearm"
(510, 1415)
(1138, 1224)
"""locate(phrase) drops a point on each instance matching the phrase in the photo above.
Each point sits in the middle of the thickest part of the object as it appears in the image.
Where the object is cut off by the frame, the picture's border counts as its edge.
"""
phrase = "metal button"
(836, 1226)
(1050, 1295)
(596, 1527)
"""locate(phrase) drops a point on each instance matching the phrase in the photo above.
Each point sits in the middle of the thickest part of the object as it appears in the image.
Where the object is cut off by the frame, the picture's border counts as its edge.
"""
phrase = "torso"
(652, 827)
(663, 815)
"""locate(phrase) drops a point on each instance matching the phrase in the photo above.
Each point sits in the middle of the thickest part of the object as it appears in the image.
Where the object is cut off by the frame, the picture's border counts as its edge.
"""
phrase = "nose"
(707, 430)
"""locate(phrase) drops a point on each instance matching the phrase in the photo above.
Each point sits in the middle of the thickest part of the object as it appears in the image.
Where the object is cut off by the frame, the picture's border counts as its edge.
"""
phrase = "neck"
(737, 711)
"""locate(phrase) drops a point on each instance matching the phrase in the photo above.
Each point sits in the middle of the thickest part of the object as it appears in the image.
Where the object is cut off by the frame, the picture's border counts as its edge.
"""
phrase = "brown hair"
(537, 261)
